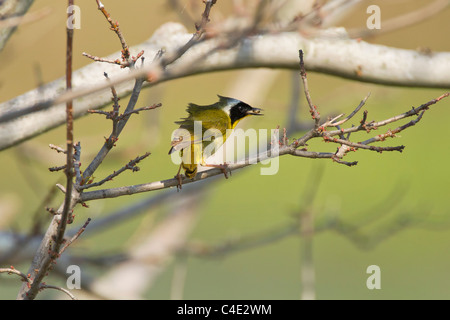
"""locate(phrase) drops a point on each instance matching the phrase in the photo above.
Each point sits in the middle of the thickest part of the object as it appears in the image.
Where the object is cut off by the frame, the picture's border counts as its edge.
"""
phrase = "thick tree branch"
(40, 110)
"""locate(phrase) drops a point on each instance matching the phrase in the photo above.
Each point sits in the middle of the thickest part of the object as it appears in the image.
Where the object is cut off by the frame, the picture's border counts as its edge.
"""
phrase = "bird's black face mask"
(242, 110)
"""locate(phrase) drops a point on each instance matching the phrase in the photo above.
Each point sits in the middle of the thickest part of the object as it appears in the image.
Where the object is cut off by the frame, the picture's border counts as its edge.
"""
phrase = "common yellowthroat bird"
(205, 130)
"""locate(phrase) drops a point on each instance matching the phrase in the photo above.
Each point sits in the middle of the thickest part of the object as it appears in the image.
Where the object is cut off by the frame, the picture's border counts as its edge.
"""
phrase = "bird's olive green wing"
(205, 124)
(212, 117)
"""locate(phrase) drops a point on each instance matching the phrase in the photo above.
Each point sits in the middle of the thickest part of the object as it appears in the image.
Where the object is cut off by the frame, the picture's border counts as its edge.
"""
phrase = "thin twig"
(75, 237)
(77, 164)
(115, 27)
(361, 104)
(122, 64)
(67, 292)
(108, 114)
(197, 37)
(98, 59)
(129, 166)
(54, 169)
(58, 149)
(312, 108)
(136, 111)
(362, 145)
(12, 270)
(127, 59)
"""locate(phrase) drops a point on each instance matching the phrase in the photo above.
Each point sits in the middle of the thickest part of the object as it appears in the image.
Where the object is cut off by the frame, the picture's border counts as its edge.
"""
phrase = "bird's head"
(237, 110)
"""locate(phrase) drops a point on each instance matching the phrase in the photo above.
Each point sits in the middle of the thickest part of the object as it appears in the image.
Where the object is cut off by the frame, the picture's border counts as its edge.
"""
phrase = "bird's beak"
(255, 112)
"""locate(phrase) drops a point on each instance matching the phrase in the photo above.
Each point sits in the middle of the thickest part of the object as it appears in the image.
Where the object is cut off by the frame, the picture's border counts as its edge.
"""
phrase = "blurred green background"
(414, 261)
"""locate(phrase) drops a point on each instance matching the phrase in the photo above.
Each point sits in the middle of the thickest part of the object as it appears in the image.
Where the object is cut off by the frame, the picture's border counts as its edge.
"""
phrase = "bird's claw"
(224, 167)
(179, 177)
